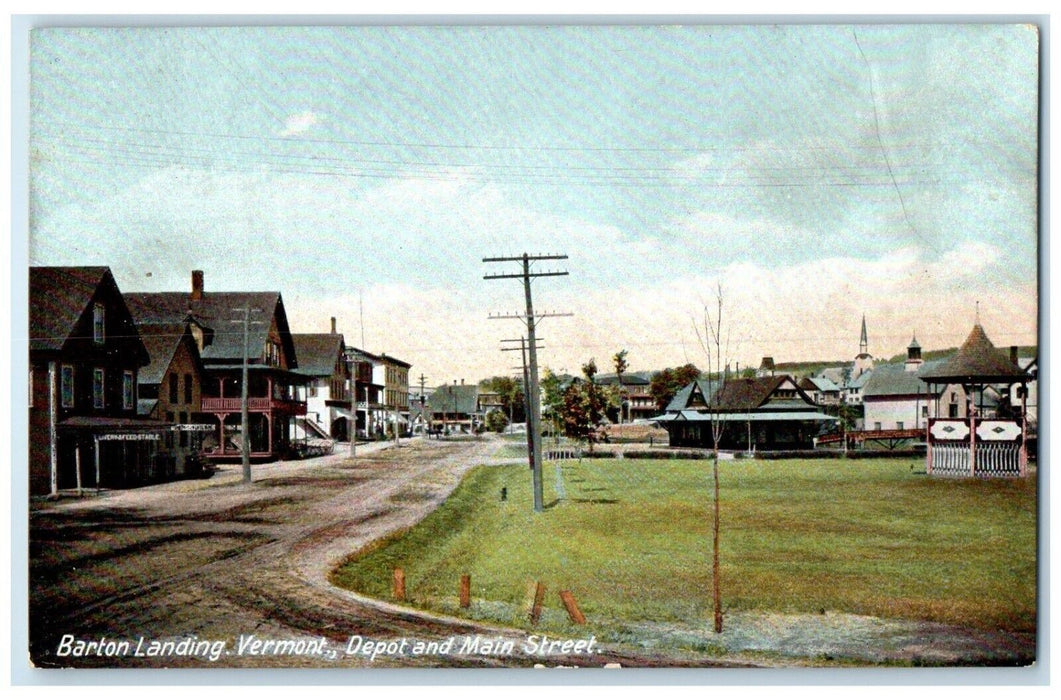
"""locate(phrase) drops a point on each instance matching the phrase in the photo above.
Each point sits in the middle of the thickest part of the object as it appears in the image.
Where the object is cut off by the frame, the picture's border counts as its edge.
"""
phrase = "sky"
(812, 173)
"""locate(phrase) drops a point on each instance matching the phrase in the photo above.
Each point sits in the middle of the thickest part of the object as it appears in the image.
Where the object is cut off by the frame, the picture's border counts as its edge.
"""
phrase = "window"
(67, 388)
(173, 388)
(98, 323)
(187, 388)
(899, 425)
(128, 390)
(924, 411)
(98, 400)
(876, 426)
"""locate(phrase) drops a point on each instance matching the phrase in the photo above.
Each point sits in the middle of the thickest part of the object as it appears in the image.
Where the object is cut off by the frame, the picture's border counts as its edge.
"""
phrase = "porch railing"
(257, 404)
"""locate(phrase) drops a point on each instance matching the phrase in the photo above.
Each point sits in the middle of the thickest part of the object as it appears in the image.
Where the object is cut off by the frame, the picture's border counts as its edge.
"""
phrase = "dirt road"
(197, 564)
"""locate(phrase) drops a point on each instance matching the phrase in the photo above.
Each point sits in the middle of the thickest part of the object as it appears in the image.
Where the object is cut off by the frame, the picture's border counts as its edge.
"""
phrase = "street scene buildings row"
(145, 386)
(139, 387)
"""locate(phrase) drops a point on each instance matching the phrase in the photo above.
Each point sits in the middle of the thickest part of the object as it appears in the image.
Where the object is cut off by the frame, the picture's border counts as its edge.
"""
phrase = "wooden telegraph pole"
(526, 393)
(533, 392)
(245, 447)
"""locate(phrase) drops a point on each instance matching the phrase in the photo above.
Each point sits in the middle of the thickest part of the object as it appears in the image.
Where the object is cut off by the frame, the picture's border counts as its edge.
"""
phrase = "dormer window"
(98, 323)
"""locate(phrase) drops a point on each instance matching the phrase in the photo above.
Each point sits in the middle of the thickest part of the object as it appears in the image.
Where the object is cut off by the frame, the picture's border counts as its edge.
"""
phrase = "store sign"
(129, 436)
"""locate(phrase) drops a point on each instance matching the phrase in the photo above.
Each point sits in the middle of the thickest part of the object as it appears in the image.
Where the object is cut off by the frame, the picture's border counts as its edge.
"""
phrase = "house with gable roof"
(85, 355)
(455, 408)
(896, 398)
(757, 413)
(275, 389)
(170, 390)
(322, 358)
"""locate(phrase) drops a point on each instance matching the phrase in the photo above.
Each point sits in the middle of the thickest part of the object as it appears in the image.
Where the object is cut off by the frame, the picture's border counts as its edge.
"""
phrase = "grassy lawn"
(631, 541)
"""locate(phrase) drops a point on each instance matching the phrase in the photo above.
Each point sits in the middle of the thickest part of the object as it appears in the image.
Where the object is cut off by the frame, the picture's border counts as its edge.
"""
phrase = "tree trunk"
(715, 565)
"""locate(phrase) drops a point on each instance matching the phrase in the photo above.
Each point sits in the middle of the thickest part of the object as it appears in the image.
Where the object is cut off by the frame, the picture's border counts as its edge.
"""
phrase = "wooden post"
(536, 608)
(54, 400)
(466, 591)
(97, 464)
(77, 464)
(399, 584)
(1022, 464)
(572, 608)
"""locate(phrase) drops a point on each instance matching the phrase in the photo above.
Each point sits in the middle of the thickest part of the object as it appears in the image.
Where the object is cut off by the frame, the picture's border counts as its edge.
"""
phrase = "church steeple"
(863, 361)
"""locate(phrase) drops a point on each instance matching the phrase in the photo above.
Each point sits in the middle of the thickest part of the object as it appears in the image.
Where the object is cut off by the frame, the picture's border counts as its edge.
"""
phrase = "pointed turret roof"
(977, 361)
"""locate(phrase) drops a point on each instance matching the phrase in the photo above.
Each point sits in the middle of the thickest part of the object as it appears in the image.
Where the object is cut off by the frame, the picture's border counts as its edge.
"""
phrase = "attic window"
(97, 324)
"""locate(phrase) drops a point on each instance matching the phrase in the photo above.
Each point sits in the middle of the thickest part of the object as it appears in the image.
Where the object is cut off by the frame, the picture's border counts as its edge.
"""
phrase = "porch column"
(96, 440)
(972, 435)
(221, 427)
(1023, 465)
(928, 433)
(269, 430)
(53, 419)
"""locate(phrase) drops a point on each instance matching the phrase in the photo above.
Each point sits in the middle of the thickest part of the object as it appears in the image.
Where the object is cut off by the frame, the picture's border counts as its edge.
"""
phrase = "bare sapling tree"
(717, 374)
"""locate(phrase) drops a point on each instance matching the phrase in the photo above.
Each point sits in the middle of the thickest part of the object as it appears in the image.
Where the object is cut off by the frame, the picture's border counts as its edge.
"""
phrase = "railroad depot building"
(758, 413)
(85, 357)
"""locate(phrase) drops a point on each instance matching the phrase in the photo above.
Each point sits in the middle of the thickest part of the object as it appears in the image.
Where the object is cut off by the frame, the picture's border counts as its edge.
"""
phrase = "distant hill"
(1022, 351)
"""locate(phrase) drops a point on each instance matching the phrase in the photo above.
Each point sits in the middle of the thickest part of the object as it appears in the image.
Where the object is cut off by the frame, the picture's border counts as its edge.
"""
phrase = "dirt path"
(199, 562)
(214, 562)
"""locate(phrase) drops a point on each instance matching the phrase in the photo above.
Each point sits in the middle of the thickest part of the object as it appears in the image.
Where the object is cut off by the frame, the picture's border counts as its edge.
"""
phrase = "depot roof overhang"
(752, 416)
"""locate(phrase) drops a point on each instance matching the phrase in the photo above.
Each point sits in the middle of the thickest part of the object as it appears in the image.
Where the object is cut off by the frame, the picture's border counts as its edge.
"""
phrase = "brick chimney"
(333, 325)
(197, 285)
(1013, 354)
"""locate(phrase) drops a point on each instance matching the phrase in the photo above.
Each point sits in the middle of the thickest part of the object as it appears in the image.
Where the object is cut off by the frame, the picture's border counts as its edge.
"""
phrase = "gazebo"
(976, 444)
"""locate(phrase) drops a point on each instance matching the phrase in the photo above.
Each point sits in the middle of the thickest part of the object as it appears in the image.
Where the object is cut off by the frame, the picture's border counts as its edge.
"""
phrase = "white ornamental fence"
(995, 449)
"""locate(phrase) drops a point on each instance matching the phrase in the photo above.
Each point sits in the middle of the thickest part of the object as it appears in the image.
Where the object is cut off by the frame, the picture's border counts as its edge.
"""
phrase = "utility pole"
(245, 443)
(353, 406)
(526, 394)
(423, 406)
(533, 391)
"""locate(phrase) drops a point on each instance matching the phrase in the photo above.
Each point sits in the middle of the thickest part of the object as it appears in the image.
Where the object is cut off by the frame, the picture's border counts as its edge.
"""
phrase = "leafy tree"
(496, 421)
(583, 407)
(552, 400)
(513, 402)
(619, 361)
(665, 384)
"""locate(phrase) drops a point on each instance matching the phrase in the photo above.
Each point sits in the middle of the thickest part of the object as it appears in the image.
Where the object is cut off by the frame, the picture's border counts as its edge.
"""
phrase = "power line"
(692, 149)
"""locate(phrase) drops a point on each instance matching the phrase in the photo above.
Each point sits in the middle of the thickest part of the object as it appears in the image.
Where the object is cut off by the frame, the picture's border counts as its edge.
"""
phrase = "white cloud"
(300, 123)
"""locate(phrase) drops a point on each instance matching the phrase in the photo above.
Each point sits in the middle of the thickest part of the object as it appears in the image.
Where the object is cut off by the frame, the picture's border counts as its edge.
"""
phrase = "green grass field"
(631, 541)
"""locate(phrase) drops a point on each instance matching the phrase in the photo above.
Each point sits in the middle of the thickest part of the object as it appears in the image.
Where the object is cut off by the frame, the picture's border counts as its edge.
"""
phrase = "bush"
(668, 454)
(599, 454)
(496, 421)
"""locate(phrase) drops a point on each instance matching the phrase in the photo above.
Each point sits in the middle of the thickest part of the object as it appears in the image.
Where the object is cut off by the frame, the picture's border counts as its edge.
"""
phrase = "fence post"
(536, 608)
(466, 591)
(572, 608)
(399, 584)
